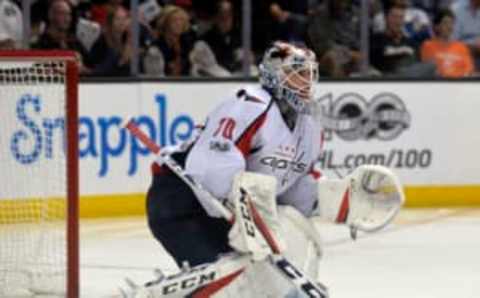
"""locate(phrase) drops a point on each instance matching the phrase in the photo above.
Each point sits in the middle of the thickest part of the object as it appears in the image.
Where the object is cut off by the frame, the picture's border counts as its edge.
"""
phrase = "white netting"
(33, 180)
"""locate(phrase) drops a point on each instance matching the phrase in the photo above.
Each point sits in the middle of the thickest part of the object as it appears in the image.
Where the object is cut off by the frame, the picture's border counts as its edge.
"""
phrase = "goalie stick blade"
(313, 289)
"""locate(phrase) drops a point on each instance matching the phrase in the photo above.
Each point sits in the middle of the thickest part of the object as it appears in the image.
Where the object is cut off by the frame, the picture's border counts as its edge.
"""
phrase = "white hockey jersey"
(248, 133)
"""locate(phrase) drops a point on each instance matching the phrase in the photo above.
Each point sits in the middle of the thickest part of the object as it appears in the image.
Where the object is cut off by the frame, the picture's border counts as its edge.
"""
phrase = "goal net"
(38, 174)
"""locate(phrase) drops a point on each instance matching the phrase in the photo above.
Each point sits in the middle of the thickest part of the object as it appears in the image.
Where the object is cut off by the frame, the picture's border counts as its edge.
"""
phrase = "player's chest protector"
(283, 153)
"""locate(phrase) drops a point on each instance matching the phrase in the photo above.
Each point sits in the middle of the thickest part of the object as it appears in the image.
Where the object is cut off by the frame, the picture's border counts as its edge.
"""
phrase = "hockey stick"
(297, 277)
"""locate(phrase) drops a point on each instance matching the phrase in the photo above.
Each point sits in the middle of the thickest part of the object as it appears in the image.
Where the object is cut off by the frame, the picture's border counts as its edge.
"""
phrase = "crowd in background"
(407, 38)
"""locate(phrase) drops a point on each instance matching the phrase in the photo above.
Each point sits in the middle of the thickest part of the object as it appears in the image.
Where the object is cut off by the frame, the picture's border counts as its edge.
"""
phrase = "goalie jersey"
(247, 132)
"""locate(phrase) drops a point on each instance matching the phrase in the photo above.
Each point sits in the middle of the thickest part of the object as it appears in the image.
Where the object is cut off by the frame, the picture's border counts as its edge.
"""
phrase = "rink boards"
(426, 132)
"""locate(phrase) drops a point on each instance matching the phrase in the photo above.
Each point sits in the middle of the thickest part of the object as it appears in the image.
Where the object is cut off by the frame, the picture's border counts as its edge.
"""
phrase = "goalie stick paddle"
(287, 269)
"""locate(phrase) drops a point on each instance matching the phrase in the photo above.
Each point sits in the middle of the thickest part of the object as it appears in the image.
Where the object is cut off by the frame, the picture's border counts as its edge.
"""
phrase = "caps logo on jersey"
(282, 163)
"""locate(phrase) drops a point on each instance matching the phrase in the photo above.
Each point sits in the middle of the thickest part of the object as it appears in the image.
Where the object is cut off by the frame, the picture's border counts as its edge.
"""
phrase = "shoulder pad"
(255, 95)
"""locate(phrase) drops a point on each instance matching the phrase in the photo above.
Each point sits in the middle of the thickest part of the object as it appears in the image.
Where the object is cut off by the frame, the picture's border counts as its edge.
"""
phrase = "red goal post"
(39, 216)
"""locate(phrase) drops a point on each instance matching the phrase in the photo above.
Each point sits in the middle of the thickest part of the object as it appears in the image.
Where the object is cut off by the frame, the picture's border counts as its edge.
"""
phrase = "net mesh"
(33, 187)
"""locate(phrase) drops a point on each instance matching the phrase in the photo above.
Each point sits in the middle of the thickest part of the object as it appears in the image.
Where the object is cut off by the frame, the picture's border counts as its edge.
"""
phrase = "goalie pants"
(178, 221)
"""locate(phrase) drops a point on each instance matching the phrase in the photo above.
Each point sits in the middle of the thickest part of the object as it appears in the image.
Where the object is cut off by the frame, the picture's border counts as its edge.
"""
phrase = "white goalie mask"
(290, 73)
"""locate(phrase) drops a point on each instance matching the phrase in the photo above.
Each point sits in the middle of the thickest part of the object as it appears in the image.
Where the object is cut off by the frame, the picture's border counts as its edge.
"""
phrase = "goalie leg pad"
(267, 278)
(255, 194)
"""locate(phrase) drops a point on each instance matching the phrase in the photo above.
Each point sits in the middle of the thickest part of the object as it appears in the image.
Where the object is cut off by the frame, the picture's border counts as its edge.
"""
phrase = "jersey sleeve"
(226, 141)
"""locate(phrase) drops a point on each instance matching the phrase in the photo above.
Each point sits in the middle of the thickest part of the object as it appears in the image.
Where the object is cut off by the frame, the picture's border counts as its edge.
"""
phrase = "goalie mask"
(290, 73)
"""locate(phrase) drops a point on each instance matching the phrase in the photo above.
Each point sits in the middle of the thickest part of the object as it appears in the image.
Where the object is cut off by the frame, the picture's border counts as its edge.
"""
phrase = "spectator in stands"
(260, 18)
(38, 19)
(375, 7)
(289, 19)
(392, 53)
(58, 34)
(417, 25)
(82, 26)
(467, 26)
(111, 53)
(201, 13)
(99, 11)
(11, 26)
(174, 42)
(334, 35)
(432, 7)
(148, 11)
(452, 57)
(225, 44)
(277, 20)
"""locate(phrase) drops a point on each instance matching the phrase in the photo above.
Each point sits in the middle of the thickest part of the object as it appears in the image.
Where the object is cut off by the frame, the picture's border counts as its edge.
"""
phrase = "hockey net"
(38, 174)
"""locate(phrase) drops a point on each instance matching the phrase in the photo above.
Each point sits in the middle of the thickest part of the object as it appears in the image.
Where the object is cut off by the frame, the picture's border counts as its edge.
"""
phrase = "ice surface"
(427, 253)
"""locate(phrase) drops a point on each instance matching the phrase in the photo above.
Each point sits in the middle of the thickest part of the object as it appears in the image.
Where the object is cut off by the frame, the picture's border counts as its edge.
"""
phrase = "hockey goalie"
(255, 160)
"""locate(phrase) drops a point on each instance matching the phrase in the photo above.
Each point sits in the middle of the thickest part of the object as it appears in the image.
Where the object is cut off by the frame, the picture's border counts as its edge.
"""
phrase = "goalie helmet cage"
(39, 225)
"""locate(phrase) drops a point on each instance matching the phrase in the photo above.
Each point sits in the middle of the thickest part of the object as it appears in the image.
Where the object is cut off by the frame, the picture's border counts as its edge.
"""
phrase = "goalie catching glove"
(367, 199)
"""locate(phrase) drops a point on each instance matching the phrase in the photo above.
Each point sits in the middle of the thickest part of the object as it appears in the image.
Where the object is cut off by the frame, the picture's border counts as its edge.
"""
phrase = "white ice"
(427, 253)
